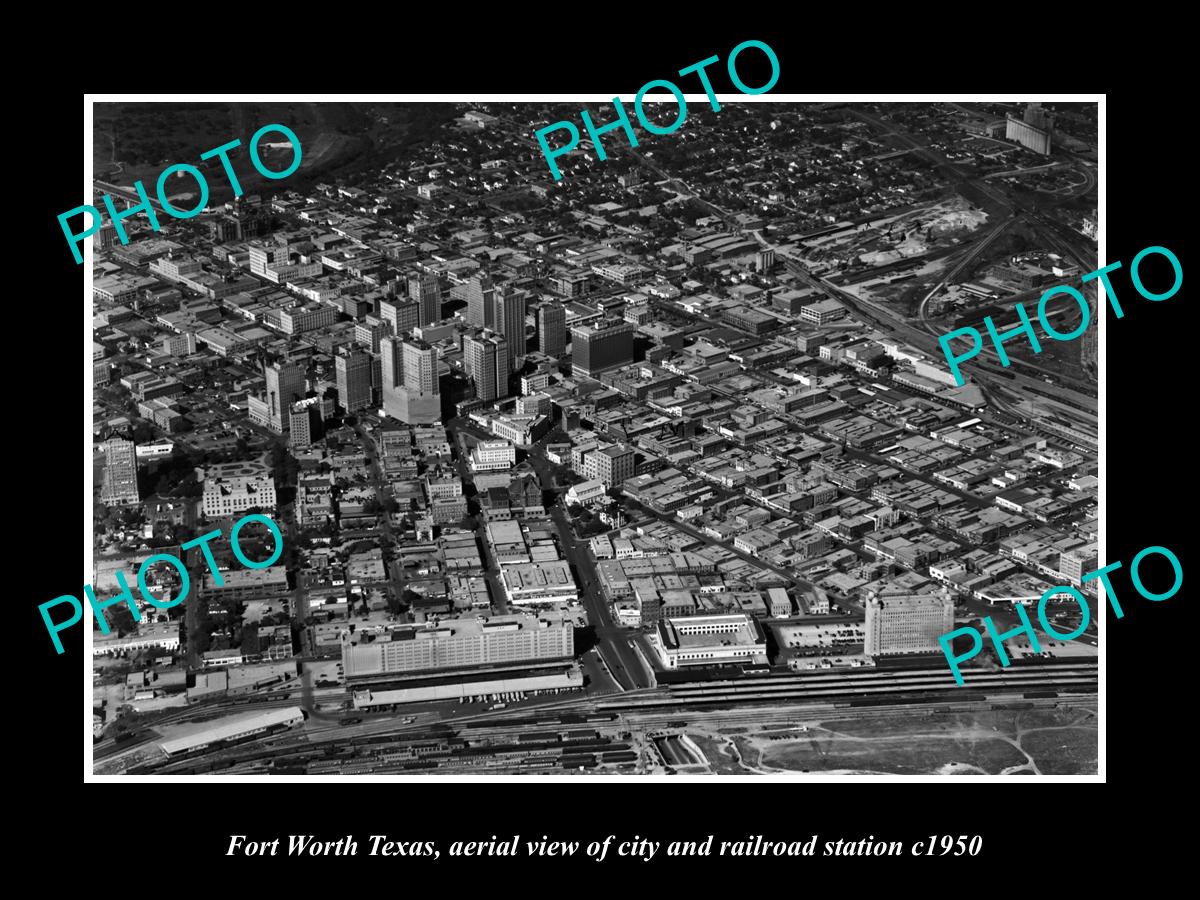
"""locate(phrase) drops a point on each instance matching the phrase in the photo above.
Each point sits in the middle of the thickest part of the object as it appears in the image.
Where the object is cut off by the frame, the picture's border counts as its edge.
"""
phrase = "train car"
(586, 761)
(580, 734)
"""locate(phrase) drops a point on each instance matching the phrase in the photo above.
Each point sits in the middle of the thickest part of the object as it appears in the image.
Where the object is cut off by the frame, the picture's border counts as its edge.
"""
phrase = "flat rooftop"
(695, 632)
(465, 627)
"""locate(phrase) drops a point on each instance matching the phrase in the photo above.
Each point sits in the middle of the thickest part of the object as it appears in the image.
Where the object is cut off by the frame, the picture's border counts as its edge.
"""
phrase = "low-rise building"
(708, 641)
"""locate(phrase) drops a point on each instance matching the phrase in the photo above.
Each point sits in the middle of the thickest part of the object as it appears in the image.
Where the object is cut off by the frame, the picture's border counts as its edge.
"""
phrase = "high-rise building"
(420, 367)
(399, 314)
(299, 427)
(552, 329)
(486, 361)
(601, 345)
(481, 301)
(1035, 131)
(285, 385)
(411, 392)
(426, 290)
(120, 472)
(369, 332)
(391, 363)
(899, 622)
(306, 420)
(353, 367)
(510, 322)
(391, 359)
(423, 401)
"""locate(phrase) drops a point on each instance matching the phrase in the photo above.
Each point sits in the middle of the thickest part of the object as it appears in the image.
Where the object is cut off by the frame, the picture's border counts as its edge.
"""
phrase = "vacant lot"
(1064, 751)
(901, 756)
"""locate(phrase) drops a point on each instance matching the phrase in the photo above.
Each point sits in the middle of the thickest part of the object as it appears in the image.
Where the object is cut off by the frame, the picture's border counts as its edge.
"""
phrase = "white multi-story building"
(231, 488)
(709, 641)
(458, 643)
(120, 472)
(899, 623)
(490, 456)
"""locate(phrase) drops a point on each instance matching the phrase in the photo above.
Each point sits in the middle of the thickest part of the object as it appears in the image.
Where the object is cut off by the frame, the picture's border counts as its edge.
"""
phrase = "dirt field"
(1040, 741)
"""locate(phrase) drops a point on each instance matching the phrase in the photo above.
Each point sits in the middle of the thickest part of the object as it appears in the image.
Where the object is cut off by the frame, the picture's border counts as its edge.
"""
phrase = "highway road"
(125, 194)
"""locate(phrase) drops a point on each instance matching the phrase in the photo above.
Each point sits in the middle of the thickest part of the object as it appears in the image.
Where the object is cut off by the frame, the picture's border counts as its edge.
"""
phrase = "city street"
(610, 637)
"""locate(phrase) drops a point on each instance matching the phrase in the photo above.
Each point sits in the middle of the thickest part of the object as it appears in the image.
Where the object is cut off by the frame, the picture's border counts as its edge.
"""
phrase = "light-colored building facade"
(899, 623)
(426, 290)
(709, 641)
(490, 456)
(231, 488)
(120, 472)
(285, 385)
(458, 643)
(485, 358)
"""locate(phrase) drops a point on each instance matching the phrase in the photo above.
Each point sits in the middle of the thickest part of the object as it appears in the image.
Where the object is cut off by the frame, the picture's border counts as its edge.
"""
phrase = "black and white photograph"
(705, 435)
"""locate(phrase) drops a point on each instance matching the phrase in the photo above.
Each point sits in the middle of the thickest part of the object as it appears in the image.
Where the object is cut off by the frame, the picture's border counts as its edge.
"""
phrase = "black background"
(1151, 404)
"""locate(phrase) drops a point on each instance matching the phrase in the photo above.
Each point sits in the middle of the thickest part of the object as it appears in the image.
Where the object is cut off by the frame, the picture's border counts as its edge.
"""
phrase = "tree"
(120, 620)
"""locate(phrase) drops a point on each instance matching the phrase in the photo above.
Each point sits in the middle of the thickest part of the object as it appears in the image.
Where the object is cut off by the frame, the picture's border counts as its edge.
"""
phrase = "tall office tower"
(306, 421)
(601, 345)
(481, 301)
(120, 472)
(426, 290)
(400, 314)
(552, 329)
(368, 333)
(411, 393)
(486, 360)
(510, 322)
(353, 367)
(421, 393)
(420, 367)
(899, 622)
(391, 371)
(106, 237)
(285, 385)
